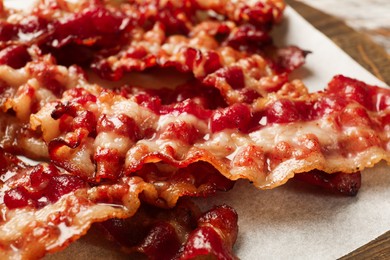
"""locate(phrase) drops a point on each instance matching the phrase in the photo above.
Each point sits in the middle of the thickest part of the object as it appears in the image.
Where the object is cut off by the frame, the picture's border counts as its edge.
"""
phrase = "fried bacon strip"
(51, 207)
(178, 233)
(89, 26)
(344, 128)
(233, 56)
(17, 137)
(41, 81)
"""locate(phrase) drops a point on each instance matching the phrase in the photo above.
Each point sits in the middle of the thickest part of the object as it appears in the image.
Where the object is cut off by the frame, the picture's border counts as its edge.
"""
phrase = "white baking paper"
(296, 221)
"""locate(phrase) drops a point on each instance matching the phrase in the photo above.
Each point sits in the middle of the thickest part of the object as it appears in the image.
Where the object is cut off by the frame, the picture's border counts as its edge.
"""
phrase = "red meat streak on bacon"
(48, 187)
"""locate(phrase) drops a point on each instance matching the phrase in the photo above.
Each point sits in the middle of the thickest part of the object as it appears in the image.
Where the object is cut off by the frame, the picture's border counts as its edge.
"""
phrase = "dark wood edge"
(357, 45)
(376, 60)
(376, 249)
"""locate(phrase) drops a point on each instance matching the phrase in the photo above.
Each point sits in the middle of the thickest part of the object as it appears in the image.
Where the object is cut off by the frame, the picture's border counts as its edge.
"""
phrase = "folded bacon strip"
(45, 208)
(41, 82)
(341, 129)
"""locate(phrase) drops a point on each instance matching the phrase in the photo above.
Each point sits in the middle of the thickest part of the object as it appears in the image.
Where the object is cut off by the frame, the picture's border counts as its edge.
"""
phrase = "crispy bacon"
(230, 37)
(56, 18)
(111, 149)
(212, 45)
(88, 27)
(236, 70)
(179, 233)
(51, 207)
(267, 142)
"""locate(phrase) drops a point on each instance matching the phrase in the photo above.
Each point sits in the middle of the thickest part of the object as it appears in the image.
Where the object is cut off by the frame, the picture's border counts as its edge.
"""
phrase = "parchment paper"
(295, 221)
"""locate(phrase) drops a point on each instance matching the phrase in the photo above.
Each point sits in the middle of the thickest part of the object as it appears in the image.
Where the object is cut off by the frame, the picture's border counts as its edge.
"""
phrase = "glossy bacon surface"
(236, 116)
(266, 142)
(52, 207)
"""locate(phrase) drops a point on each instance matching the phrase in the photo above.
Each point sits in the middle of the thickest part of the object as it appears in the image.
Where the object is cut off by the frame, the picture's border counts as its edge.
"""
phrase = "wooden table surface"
(375, 59)
(370, 17)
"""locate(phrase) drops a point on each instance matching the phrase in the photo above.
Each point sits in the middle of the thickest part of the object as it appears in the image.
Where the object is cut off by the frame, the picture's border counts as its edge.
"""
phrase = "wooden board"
(375, 59)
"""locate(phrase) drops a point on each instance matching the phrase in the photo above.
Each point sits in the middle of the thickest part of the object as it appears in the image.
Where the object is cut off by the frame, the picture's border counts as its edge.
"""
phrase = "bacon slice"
(88, 27)
(344, 128)
(45, 208)
(179, 233)
(230, 39)
(30, 232)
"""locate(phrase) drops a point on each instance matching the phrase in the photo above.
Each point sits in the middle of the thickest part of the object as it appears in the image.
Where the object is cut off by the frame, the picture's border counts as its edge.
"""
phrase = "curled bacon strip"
(344, 128)
(88, 27)
(52, 207)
